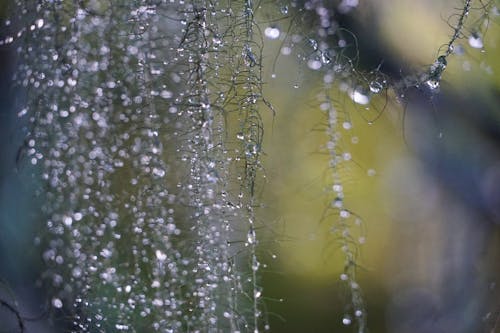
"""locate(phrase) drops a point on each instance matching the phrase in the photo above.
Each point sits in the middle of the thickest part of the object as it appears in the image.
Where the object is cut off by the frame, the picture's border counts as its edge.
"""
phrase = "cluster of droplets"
(327, 47)
(362, 89)
(146, 198)
(345, 223)
(12, 35)
(114, 208)
(312, 48)
(244, 102)
(469, 24)
(326, 52)
(207, 181)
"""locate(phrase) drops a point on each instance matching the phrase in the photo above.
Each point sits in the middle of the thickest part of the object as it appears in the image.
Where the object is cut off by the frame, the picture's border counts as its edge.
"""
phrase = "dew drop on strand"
(476, 41)
(359, 96)
(57, 303)
(376, 87)
(346, 125)
(272, 32)
(346, 321)
(433, 84)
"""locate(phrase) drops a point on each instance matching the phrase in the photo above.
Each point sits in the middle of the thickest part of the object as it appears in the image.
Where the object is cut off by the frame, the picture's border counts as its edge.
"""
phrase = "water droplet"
(77, 272)
(284, 9)
(106, 253)
(67, 220)
(157, 302)
(360, 96)
(272, 32)
(286, 50)
(376, 87)
(459, 50)
(39, 23)
(347, 125)
(358, 313)
(346, 320)
(435, 72)
(249, 56)
(72, 82)
(132, 49)
(314, 44)
(344, 214)
(314, 64)
(158, 172)
(326, 58)
(347, 5)
(212, 176)
(57, 303)
(251, 236)
(337, 203)
(441, 63)
(160, 255)
(255, 266)
(166, 94)
(22, 112)
(433, 84)
(121, 327)
(476, 41)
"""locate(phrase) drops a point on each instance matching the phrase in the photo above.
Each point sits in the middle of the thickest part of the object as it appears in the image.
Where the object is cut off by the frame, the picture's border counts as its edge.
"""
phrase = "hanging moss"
(146, 126)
